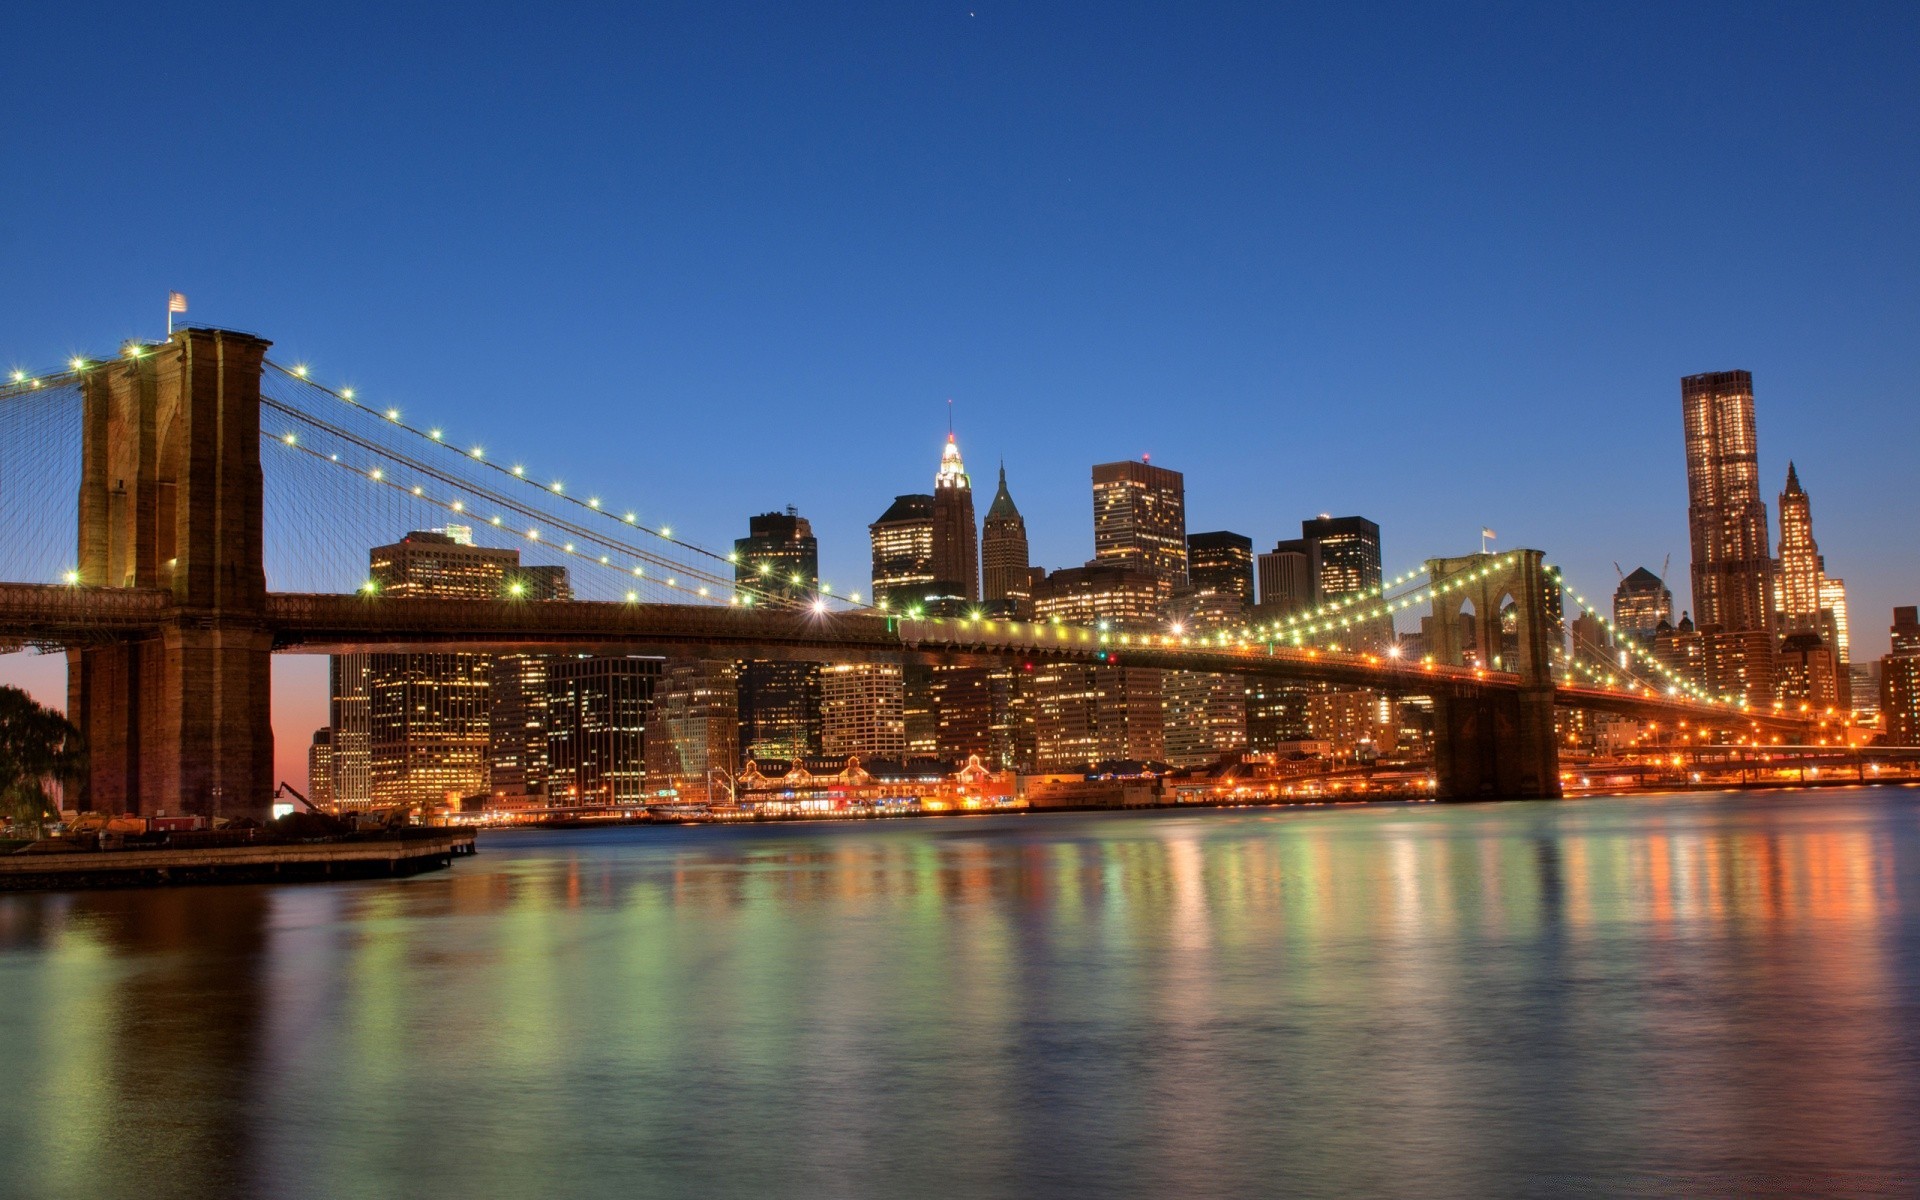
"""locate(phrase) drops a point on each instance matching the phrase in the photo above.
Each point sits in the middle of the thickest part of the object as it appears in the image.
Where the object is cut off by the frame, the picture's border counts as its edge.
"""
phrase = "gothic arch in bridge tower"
(1495, 744)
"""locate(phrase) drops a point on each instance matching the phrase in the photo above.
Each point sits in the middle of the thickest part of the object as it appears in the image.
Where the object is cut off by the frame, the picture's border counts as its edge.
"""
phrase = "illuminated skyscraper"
(1799, 559)
(1289, 579)
(779, 701)
(597, 713)
(692, 739)
(1347, 551)
(1140, 520)
(1123, 596)
(1221, 563)
(1732, 561)
(862, 711)
(320, 768)
(1900, 679)
(956, 539)
(903, 553)
(1003, 551)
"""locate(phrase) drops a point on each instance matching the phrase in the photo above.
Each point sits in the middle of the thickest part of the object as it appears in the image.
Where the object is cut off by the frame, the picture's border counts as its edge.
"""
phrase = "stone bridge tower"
(1499, 744)
(170, 498)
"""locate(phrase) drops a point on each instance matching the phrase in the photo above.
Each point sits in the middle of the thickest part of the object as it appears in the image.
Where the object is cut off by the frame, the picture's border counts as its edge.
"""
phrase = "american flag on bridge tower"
(176, 302)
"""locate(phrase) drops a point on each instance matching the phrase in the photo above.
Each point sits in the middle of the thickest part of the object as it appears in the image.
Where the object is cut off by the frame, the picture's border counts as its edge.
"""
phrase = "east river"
(1653, 995)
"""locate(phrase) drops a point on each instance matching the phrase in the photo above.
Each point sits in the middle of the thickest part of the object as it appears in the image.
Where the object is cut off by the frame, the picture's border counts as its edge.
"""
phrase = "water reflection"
(1663, 994)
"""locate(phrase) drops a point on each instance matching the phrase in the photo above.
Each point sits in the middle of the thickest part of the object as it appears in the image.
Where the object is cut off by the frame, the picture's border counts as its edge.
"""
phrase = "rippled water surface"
(1691, 993)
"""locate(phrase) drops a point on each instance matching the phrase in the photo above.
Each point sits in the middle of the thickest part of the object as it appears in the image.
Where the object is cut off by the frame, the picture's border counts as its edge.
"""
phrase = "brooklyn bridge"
(181, 511)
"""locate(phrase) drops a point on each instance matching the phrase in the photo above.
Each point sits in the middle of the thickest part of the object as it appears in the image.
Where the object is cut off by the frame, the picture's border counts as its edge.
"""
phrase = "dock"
(261, 862)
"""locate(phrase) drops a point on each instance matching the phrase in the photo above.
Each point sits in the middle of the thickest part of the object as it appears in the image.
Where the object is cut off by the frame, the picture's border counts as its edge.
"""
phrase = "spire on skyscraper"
(1793, 479)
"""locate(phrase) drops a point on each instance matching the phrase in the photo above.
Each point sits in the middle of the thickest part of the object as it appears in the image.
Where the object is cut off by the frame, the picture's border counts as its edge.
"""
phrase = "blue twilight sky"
(1442, 266)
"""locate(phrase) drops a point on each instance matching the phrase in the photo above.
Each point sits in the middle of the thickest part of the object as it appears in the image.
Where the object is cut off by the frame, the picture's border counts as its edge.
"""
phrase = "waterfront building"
(1640, 604)
(1089, 714)
(1011, 731)
(517, 720)
(1900, 699)
(1007, 575)
(903, 576)
(1140, 520)
(779, 702)
(691, 746)
(320, 768)
(917, 713)
(1206, 714)
(963, 713)
(352, 732)
(1353, 721)
(956, 544)
(597, 713)
(862, 708)
(1276, 712)
(1221, 562)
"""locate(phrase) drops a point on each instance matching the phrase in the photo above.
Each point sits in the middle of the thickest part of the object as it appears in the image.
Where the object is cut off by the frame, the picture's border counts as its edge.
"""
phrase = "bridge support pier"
(1496, 746)
(1496, 610)
(170, 497)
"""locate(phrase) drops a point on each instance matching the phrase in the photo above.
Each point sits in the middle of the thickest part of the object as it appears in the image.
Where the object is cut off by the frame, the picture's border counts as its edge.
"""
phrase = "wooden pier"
(262, 862)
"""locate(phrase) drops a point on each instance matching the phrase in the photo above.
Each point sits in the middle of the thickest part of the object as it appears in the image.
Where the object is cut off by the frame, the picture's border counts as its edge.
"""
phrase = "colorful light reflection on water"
(1696, 993)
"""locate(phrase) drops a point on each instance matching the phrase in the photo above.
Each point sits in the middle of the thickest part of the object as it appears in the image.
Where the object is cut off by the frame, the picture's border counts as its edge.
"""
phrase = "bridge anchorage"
(169, 628)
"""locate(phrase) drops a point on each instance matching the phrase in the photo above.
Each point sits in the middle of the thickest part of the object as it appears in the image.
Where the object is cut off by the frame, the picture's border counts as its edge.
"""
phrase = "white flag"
(176, 302)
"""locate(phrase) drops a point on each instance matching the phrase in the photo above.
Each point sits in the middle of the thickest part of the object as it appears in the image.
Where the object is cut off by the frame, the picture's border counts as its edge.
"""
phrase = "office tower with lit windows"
(1900, 680)
(1221, 563)
(597, 713)
(348, 718)
(1640, 604)
(903, 575)
(1006, 573)
(517, 717)
(779, 704)
(962, 702)
(1140, 520)
(1089, 714)
(1833, 599)
(428, 717)
(1727, 524)
(779, 557)
(862, 711)
(320, 768)
(1206, 714)
(1125, 597)
(691, 747)
(1347, 550)
(1799, 559)
(956, 539)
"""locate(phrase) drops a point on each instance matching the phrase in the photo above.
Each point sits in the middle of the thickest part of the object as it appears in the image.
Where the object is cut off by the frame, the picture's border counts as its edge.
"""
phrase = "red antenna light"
(1146, 458)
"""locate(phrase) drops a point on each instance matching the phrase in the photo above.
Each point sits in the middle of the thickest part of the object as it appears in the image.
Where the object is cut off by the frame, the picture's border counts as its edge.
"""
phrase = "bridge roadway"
(328, 623)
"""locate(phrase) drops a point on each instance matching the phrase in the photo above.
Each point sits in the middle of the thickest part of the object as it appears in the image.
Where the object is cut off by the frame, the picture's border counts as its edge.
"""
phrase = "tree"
(38, 749)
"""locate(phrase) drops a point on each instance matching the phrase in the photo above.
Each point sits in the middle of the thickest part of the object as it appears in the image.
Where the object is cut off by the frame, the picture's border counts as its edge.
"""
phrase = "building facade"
(691, 746)
(863, 711)
(1140, 520)
(1641, 604)
(1726, 518)
(902, 538)
(956, 538)
(1006, 574)
(597, 713)
(1221, 563)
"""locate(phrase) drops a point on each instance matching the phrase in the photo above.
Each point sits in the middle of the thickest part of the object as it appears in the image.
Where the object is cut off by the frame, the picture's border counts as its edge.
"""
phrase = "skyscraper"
(956, 539)
(1289, 578)
(779, 556)
(320, 768)
(1140, 520)
(1348, 553)
(428, 716)
(1122, 596)
(1003, 552)
(779, 702)
(597, 713)
(862, 711)
(692, 739)
(1900, 680)
(1799, 559)
(1221, 563)
(1727, 520)
(1640, 604)
(903, 553)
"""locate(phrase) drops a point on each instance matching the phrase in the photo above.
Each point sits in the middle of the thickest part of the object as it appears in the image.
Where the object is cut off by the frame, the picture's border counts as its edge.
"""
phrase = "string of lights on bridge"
(1329, 618)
